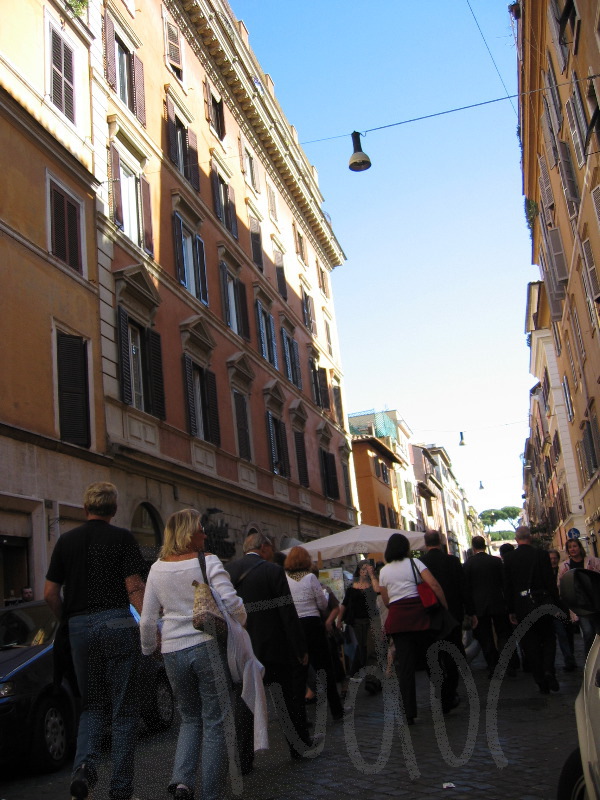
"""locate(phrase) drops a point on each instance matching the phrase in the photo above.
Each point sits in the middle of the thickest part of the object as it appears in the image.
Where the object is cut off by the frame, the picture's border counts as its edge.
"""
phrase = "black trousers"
(283, 679)
(492, 632)
(410, 646)
(539, 648)
(319, 657)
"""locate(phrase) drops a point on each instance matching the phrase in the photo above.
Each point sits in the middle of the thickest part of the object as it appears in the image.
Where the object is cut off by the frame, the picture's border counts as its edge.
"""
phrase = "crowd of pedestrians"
(285, 632)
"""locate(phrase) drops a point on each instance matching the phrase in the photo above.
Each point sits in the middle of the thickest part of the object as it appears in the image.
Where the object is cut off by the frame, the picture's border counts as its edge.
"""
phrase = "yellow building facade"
(559, 61)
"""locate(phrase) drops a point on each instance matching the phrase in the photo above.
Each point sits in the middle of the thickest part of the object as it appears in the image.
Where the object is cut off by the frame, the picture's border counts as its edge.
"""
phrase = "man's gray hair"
(254, 541)
(523, 533)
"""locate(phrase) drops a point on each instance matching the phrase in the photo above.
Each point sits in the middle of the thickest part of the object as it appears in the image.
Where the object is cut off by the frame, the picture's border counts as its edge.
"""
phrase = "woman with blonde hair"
(310, 601)
(196, 664)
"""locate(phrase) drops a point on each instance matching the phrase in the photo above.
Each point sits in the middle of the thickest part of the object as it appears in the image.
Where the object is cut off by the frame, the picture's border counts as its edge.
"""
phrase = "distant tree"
(511, 515)
(491, 516)
(501, 536)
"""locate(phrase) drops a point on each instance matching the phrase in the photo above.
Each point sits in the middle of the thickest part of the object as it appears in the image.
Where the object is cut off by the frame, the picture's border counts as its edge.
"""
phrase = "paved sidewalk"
(535, 735)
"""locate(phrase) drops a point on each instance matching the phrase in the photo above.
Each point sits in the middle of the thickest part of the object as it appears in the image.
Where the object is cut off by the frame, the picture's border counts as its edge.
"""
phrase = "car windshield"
(26, 626)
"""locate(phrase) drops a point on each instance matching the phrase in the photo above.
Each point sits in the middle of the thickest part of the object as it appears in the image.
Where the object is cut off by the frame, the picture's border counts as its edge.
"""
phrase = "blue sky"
(430, 304)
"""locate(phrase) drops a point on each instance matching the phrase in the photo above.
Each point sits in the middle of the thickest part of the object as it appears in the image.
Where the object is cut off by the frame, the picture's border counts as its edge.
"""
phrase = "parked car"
(580, 776)
(39, 722)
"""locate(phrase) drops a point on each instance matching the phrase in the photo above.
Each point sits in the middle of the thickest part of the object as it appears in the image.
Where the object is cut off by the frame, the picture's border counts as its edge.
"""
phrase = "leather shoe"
(552, 683)
(84, 778)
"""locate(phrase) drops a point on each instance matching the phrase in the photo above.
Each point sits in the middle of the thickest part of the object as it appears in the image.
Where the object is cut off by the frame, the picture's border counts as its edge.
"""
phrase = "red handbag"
(426, 593)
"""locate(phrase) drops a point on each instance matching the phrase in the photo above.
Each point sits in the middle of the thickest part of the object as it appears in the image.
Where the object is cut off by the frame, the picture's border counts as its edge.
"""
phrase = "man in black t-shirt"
(98, 567)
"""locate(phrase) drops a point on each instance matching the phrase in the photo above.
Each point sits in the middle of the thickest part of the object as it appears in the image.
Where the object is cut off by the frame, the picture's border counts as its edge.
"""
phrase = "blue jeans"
(201, 683)
(106, 653)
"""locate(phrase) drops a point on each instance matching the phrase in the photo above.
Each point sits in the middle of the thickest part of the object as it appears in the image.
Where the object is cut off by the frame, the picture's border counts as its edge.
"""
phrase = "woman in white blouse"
(407, 622)
(309, 599)
(195, 663)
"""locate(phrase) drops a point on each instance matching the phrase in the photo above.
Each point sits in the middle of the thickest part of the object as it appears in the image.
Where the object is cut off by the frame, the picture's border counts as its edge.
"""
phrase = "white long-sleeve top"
(308, 595)
(169, 587)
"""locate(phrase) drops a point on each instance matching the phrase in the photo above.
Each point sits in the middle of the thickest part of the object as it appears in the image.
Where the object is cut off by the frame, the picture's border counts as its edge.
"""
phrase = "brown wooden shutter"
(216, 188)
(212, 408)
(178, 248)
(225, 294)
(155, 374)
(242, 310)
(73, 400)
(280, 272)
(145, 195)
(256, 242)
(207, 101)
(284, 456)
(325, 401)
(172, 131)
(174, 46)
(242, 154)
(188, 388)
(337, 400)
(115, 186)
(124, 356)
(233, 224)
(110, 58)
(57, 71)
(68, 83)
(333, 490)
(200, 267)
(59, 223)
(297, 371)
(192, 168)
(241, 420)
(73, 258)
(271, 442)
(139, 99)
(261, 329)
(301, 459)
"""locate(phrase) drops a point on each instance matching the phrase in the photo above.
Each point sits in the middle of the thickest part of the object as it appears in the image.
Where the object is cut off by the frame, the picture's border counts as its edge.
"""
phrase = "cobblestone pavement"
(535, 733)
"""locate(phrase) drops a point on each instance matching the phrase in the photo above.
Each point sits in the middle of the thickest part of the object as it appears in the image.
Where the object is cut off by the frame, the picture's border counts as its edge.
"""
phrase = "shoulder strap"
(202, 560)
(247, 572)
(416, 574)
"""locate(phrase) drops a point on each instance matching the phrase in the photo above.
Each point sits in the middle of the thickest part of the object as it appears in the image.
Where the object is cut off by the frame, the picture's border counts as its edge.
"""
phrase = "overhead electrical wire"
(448, 111)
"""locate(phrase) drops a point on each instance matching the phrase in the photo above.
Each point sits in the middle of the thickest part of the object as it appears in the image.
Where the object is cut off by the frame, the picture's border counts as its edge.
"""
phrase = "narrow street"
(535, 733)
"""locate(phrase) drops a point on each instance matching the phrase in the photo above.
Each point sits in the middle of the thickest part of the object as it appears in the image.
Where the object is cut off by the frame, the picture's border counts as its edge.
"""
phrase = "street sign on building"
(573, 533)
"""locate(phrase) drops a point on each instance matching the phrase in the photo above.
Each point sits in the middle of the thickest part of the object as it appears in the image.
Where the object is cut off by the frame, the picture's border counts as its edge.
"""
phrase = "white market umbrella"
(360, 539)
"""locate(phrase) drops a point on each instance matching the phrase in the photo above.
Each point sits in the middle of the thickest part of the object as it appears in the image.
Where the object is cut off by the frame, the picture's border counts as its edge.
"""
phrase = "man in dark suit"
(277, 639)
(485, 603)
(448, 572)
(529, 581)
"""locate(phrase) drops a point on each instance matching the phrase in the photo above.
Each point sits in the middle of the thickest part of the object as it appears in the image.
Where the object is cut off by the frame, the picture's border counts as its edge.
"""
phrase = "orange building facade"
(168, 320)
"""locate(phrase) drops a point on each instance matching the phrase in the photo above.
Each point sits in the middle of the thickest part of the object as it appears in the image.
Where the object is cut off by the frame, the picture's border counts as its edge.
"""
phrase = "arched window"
(147, 528)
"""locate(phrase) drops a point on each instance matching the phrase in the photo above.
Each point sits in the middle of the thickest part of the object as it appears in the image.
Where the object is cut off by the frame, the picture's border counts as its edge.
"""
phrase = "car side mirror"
(580, 590)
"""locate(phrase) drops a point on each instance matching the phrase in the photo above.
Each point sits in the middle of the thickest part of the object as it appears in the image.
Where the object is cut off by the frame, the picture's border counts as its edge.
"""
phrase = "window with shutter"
(256, 242)
(568, 400)
(265, 324)
(382, 516)
(346, 479)
(62, 84)
(277, 440)
(141, 370)
(280, 272)
(214, 111)
(291, 356)
(124, 68)
(240, 402)
(190, 262)
(559, 47)
(329, 475)
(301, 460)
(174, 49)
(567, 175)
(73, 398)
(201, 401)
(308, 311)
(130, 197)
(272, 202)
(235, 304)
(65, 227)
